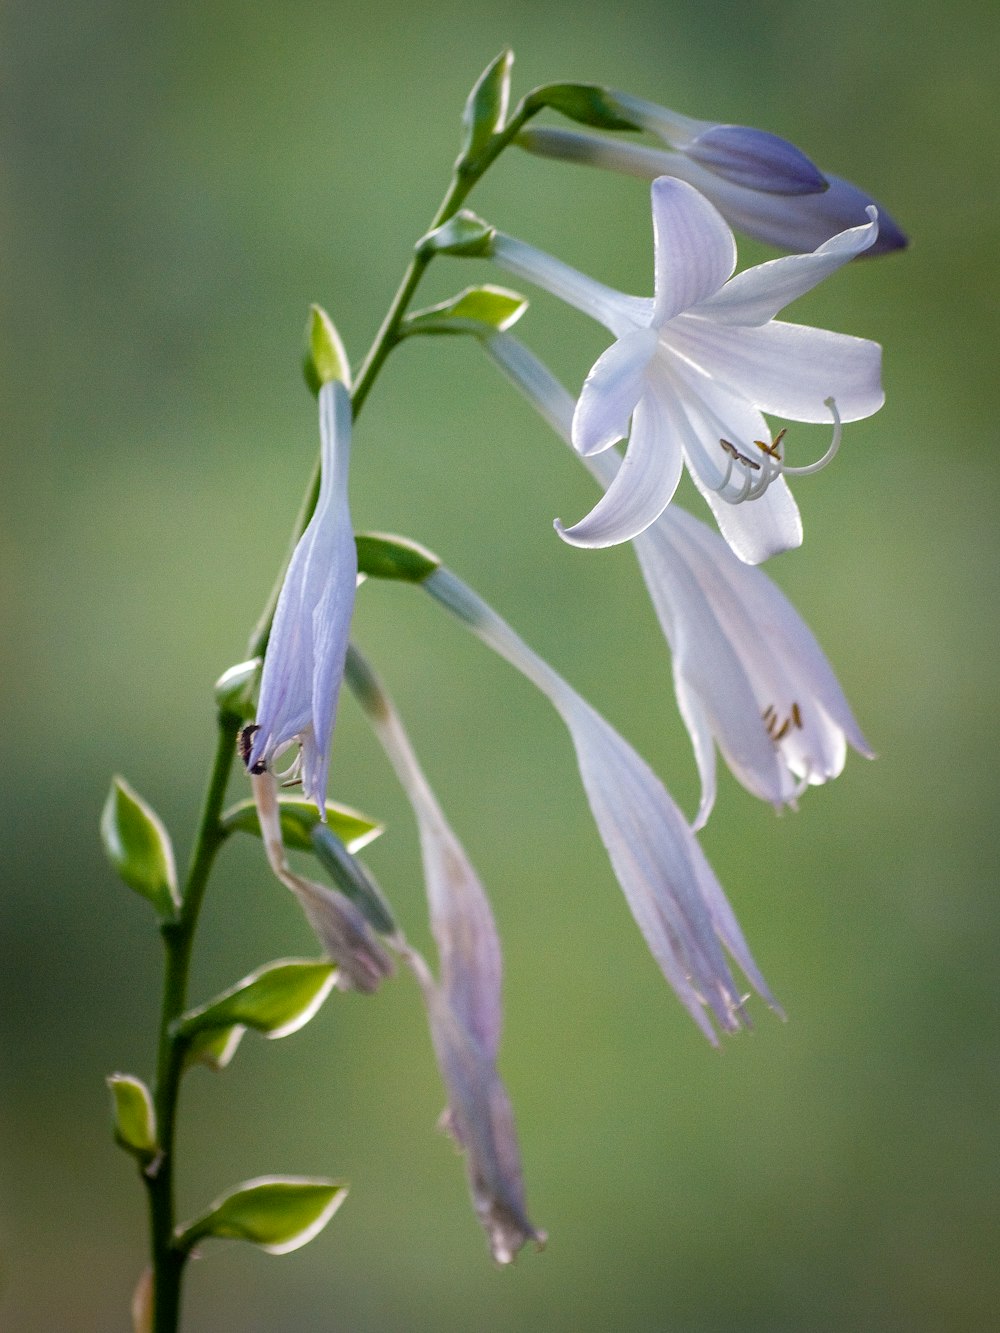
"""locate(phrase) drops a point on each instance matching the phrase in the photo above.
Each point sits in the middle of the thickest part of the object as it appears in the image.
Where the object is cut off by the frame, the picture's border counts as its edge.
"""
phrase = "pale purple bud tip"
(844, 205)
(756, 159)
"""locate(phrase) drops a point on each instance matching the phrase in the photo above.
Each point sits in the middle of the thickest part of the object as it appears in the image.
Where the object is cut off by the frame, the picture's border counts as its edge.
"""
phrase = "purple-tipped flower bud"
(756, 159)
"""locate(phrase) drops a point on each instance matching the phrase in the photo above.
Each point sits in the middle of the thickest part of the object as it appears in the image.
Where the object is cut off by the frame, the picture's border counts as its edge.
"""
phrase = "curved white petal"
(694, 248)
(699, 728)
(611, 390)
(757, 294)
(645, 483)
(788, 370)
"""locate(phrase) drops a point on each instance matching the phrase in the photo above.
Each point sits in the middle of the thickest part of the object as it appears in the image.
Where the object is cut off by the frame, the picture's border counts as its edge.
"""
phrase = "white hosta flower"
(749, 675)
(464, 1010)
(670, 888)
(695, 368)
(304, 662)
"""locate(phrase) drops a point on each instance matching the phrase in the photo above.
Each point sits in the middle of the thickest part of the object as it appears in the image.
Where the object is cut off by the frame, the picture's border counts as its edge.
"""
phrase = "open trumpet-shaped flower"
(749, 675)
(695, 368)
(304, 662)
(673, 894)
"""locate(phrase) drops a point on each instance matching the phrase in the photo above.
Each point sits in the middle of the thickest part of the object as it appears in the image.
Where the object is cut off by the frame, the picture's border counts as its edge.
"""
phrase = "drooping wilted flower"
(464, 1010)
(697, 366)
(749, 675)
(760, 183)
(304, 662)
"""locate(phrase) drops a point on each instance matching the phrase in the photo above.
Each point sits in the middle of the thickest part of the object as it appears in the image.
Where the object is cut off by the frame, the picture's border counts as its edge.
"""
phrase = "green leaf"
(278, 1213)
(381, 555)
(276, 1000)
(474, 310)
(139, 848)
(298, 819)
(135, 1119)
(486, 106)
(323, 358)
(464, 234)
(235, 689)
(354, 879)
(213, 1047)
(587, 103)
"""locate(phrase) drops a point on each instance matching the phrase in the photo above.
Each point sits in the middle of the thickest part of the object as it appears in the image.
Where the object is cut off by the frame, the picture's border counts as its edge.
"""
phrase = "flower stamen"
(772, 464)
(778, 729)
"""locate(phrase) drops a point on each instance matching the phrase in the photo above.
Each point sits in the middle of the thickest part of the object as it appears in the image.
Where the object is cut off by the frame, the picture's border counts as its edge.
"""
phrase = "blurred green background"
(182, 179)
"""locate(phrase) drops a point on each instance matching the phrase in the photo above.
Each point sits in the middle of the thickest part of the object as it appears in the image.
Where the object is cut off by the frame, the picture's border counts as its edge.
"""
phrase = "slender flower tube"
(340, 926)
(695, 368)
(761, 184)
(672, 891)
(304, 662)
(464, 1011)
(749, 675)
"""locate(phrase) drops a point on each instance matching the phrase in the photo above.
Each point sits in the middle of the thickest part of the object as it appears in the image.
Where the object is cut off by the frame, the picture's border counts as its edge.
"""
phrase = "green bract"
(381, 555)
(139, 847)
(278, 1213)
(235, 688)
(135, 1119)
(323, 358)
(587, 103)
(486, 106)
(299, 817)
(476, 309)
(276, 1000)
(353, 878)
(464, 234)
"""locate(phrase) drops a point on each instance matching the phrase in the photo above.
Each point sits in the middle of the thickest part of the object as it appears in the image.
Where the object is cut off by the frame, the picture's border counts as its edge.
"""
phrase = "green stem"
(178, 934)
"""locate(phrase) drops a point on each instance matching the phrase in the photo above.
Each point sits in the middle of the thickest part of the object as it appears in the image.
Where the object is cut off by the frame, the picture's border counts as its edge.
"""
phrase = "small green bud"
(236, 687)
(486, 309)
(135, 1119)
(382, 555)
(486, 106)
(324, 358)
(139, 847)
(464, 234)
(278, 1213)
(587, 103)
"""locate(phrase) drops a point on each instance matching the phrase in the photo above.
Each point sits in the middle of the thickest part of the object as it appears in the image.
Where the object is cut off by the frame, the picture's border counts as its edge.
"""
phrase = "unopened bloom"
(761, 184)
(673, 894)
(304, 663)
(749, 675)
(464, 1009)
(695, 368)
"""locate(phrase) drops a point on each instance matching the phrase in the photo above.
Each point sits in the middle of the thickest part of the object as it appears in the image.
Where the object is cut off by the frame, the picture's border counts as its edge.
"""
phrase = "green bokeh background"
(182, 179)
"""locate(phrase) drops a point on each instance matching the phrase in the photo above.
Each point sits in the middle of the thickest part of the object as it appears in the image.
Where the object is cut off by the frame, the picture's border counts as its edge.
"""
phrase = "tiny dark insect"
(245, 744)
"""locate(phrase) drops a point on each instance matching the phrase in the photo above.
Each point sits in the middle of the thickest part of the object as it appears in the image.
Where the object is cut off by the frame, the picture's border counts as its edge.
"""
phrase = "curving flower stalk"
(748, 672)
(671, 889)
(304, 662)
(695, 368)
(464, 1010)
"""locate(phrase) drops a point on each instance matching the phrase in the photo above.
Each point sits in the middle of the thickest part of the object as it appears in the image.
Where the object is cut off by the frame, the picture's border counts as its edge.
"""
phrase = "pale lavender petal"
(645, 483)
(787, 370)
(480, 1119)
(694, 249)
(699, 728)
(757, 294)
(755, 159)
(611, 390)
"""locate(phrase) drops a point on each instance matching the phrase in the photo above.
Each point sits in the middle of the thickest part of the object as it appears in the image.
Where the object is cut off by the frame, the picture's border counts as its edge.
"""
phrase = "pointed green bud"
(275, 1000)
(324, 358)
(139, 847)
(464, 234)
(213, 1047)
(135, 1119)
(354, 879)
(382, 555)
(586, 103)
(476, 310)
(278, 1213)
(299, 817)
(486, 107)
(235, 689)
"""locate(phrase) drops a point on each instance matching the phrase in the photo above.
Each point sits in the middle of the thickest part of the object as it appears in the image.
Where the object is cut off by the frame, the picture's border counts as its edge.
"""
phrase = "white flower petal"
(699, 728)
(694, 249)
(645, 483)
(757, 294)
(611, 390)
(787, 370)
